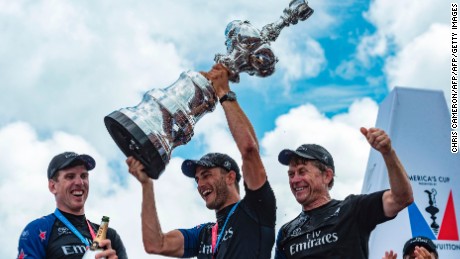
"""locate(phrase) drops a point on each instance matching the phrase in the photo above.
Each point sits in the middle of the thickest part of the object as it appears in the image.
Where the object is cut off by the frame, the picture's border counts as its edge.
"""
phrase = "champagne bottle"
(101, 235)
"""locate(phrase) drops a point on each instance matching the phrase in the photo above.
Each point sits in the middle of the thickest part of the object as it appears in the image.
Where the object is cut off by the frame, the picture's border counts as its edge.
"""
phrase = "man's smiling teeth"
(77, 193)
(206, 192)
(298, 189)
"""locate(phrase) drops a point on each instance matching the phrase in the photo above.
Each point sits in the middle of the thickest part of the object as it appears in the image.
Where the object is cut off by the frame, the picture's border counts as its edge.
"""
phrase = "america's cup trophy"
(165, 118)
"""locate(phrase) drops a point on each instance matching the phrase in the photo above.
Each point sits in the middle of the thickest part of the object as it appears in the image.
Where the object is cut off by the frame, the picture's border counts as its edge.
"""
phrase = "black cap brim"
(189, 167)
(87, 160)
(420, 241)
(285, 156)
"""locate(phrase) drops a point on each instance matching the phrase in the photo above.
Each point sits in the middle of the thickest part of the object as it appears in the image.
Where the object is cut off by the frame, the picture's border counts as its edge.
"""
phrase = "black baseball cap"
(410, 245)
(211, 160)
(308, 151)
(63, 160)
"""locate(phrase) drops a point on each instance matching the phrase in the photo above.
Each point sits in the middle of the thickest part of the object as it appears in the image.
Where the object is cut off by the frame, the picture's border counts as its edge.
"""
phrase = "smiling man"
(328, 228)
(245, 228)
(67, 233)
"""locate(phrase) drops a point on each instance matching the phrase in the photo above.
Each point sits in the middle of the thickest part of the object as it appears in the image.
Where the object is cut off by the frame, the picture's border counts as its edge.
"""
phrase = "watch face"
(231, 96)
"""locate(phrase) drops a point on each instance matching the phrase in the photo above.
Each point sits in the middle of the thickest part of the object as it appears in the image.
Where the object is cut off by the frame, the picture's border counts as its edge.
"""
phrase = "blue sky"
(65, 65)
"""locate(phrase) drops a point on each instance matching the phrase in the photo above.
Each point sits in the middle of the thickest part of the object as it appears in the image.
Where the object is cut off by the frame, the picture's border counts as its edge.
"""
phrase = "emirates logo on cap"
(70, 154)
(302, 148)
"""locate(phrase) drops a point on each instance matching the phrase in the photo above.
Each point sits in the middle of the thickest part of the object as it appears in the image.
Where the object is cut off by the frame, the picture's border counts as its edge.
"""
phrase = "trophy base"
(134, 142)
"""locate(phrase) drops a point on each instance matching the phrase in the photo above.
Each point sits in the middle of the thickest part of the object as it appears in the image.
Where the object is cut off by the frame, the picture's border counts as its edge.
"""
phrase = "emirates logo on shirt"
(313, 239)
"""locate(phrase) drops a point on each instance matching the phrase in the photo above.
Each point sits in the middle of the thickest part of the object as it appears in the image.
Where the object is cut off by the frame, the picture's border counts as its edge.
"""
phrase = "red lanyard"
(215, 244)
(214, 238)
(91, 231)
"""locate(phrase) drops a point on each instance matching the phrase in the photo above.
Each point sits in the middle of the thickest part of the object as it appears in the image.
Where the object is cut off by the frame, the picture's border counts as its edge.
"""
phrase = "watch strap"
(229, 96)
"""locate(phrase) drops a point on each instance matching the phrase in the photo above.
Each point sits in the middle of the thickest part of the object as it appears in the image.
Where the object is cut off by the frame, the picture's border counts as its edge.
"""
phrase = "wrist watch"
(229, 96)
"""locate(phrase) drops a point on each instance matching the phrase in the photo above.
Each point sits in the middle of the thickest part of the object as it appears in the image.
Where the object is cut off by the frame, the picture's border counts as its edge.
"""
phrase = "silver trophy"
(165, 118)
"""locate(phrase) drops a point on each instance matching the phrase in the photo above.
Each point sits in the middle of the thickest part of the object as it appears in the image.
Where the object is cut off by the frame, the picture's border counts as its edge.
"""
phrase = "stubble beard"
(221, 196)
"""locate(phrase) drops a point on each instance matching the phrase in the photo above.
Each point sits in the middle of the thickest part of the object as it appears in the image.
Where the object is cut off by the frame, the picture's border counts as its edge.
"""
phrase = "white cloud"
(411, 38)
(307, 65)
(347, 69)
(65, 66)
(404, 21)
(423, 63)
(419, 32)
(212, 129)
(371, 46)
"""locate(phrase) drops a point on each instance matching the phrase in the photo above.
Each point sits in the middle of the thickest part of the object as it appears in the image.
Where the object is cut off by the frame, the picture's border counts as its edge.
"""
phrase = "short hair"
(223, 171)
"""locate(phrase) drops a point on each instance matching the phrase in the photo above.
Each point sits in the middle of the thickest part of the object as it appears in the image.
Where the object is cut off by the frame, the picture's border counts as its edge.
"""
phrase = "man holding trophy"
(164, 119)
(245, 228)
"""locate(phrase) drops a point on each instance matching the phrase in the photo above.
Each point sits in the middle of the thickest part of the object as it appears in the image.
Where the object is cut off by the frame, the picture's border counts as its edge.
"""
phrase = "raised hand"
(378, 139)
(219, 78)
(421, 252)
(137, 170)
(390, 255)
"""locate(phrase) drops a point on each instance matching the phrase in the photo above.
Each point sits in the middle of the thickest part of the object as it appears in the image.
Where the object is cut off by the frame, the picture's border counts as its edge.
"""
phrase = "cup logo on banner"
(434, 221)
(432, 209)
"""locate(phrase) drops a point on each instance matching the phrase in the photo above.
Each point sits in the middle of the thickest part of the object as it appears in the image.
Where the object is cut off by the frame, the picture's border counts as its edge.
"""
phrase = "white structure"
(418, 122)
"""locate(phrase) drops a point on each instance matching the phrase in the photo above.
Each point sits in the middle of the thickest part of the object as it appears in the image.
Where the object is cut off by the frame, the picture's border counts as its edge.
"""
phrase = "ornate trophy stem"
(248, 49)
(165, 118)
(297, 10)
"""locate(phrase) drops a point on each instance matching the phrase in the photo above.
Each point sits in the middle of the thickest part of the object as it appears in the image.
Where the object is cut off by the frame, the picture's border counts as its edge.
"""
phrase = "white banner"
(418, 123)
